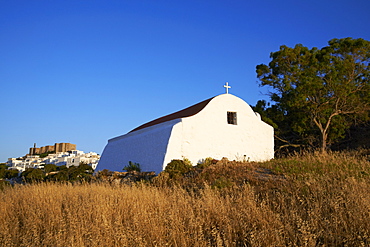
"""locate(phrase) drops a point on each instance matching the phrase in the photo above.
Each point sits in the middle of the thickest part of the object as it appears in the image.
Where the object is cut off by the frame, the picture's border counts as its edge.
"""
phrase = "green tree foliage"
(319, 93)
(5, 173)
(62, 168)
(43, 155)
(50, 168)
(11, 173)
(83, 172)
(33, 175)
(3, 169)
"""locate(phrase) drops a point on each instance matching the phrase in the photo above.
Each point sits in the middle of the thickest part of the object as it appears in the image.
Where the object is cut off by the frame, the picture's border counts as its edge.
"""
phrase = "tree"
(12, 173)
(7, 173)
(33, 175)
(319, 92)
(50, 168)
(82, 172)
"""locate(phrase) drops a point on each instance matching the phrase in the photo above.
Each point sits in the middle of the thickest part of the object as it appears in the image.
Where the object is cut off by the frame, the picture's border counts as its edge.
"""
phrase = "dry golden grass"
(325, 205)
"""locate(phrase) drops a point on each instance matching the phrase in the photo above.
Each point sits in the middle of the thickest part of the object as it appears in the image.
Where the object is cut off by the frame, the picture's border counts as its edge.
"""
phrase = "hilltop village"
(59, 154)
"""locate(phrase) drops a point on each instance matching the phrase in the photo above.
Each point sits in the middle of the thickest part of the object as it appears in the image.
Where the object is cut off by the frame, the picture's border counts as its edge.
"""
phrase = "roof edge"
(187, 112)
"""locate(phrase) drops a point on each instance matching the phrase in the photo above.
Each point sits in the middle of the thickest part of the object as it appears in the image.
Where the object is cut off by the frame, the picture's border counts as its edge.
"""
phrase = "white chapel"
(222, 126)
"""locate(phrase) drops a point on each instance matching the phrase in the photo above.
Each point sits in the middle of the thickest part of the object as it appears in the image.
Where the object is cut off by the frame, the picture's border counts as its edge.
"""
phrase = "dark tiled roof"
(187, 112)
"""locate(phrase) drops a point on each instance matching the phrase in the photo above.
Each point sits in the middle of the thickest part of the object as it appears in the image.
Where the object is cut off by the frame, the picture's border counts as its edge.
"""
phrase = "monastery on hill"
(222, 126)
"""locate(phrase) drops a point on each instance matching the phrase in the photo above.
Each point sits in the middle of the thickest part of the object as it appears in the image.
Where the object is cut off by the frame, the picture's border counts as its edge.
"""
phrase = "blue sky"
(86, 71)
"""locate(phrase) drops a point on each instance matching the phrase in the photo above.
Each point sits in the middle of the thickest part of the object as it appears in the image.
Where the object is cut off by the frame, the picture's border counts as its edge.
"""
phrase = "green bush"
(221, 183)
(206, 162)
(177, 168)
(132, 166)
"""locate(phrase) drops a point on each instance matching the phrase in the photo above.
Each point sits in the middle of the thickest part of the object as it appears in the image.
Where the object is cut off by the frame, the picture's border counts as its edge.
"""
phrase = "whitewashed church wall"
(175, 144)
(207, 134)
(146, 147)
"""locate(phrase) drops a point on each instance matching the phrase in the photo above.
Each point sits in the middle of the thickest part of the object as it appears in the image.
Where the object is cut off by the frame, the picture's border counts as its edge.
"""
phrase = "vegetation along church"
(222, 126)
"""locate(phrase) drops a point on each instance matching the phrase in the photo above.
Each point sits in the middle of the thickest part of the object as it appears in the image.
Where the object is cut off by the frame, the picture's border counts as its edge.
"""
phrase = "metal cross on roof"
(227, 87)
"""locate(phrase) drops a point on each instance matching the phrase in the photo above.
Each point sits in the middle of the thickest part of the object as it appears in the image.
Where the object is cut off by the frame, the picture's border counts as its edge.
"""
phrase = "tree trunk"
(324, 133)
(324, 137)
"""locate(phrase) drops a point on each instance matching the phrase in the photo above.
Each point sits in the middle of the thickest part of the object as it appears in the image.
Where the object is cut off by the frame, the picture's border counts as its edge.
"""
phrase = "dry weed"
(325, 204)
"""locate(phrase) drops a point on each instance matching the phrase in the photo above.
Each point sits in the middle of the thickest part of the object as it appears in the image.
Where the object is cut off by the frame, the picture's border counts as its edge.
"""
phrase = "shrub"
(132, 166)
(104, 173)
(206, 162)
(221, 183)
(177, 168)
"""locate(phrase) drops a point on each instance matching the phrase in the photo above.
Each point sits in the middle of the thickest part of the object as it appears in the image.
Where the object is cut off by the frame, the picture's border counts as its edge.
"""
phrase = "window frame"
(232, 118)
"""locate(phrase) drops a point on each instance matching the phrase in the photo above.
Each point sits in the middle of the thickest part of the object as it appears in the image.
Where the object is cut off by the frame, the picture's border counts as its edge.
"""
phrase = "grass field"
(303, 200)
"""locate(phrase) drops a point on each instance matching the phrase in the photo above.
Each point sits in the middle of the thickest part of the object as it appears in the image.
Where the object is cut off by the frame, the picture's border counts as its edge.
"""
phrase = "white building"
(222, 126)
(21, 164)
(89, 158)
(70, 158)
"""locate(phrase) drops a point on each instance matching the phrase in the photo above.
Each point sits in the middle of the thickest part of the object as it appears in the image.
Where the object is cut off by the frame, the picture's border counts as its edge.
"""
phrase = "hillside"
(304, 200)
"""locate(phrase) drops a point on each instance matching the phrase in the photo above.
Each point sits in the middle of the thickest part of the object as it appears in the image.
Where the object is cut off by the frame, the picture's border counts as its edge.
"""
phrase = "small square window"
(231, 118)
